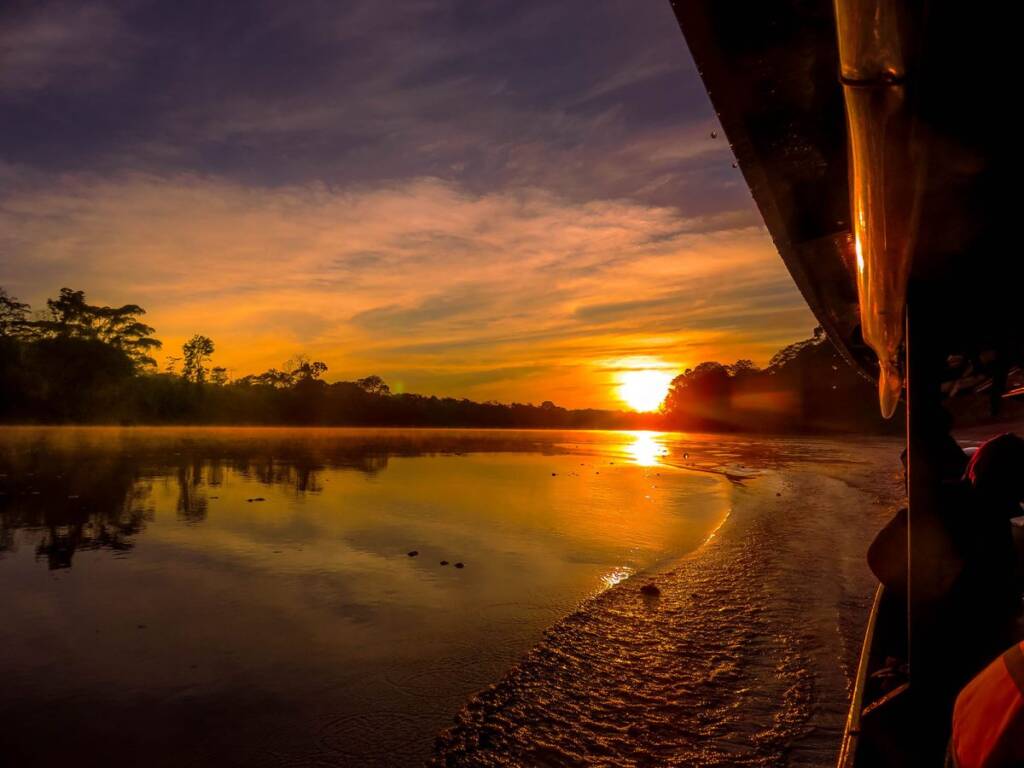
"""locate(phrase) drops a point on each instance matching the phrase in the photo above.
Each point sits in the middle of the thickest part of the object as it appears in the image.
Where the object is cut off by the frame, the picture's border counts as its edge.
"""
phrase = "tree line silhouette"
(76, 362)
(807, 386)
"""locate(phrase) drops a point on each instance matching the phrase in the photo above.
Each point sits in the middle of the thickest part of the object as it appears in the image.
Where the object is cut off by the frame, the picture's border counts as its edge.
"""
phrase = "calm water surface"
(245, 596)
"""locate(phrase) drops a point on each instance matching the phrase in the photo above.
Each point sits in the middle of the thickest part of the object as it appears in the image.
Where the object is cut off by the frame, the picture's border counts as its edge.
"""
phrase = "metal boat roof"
(771, 71)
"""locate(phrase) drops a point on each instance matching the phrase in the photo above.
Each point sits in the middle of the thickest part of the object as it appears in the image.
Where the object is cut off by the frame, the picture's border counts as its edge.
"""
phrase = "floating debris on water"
(444, 562)
(651, 589)
(412, 552)
(459, 565)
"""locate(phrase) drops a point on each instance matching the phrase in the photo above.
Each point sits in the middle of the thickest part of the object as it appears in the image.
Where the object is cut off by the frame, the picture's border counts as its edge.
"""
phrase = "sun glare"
(646, 449)
(644, 390)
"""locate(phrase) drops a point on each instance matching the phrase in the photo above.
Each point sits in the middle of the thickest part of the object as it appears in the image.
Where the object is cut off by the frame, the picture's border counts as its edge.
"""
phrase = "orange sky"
(497, 296)
(511, 206)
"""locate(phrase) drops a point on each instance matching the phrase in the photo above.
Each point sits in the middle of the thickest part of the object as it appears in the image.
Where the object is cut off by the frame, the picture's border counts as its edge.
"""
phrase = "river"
(180, 596)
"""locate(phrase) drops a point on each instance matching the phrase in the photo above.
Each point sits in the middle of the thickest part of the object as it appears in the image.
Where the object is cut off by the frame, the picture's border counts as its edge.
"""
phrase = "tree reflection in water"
(66, 490)
(63, 502)
(200, 629)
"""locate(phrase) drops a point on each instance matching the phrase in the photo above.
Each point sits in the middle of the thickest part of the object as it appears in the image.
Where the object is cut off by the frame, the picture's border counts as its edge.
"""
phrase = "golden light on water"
(644, 390)
(615, 576)
(646, 449)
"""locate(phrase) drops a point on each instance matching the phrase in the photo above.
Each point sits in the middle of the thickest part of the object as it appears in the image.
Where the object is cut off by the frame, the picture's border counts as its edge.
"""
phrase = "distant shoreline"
(425, 427)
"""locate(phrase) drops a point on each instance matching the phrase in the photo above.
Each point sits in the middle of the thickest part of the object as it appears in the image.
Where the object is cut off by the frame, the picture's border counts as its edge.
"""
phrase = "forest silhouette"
(76, 362)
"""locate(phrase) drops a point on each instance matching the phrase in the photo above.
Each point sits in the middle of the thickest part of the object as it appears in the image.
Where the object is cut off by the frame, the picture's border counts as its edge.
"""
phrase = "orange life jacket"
(988, 719)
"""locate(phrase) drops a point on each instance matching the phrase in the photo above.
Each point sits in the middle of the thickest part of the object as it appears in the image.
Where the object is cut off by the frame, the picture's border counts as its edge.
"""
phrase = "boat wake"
(744, 659)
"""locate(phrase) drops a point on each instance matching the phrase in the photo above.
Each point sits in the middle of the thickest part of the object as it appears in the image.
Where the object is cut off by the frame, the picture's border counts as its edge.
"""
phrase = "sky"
(503, 200)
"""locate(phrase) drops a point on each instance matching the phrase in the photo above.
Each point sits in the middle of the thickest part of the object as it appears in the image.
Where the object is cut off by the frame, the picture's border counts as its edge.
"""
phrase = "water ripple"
(742, 660)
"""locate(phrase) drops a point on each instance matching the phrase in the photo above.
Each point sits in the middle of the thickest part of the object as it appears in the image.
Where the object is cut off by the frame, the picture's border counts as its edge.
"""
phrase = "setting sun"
(644, 390)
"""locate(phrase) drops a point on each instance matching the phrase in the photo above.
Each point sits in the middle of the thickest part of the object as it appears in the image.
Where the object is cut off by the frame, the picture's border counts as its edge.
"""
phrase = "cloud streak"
(422, 281)
(505, 200)
(84, 45)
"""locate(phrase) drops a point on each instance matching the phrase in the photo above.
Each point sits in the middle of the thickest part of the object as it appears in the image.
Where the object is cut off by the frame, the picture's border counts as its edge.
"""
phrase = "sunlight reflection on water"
(267, 571)
(615, 576)
(647, 448)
